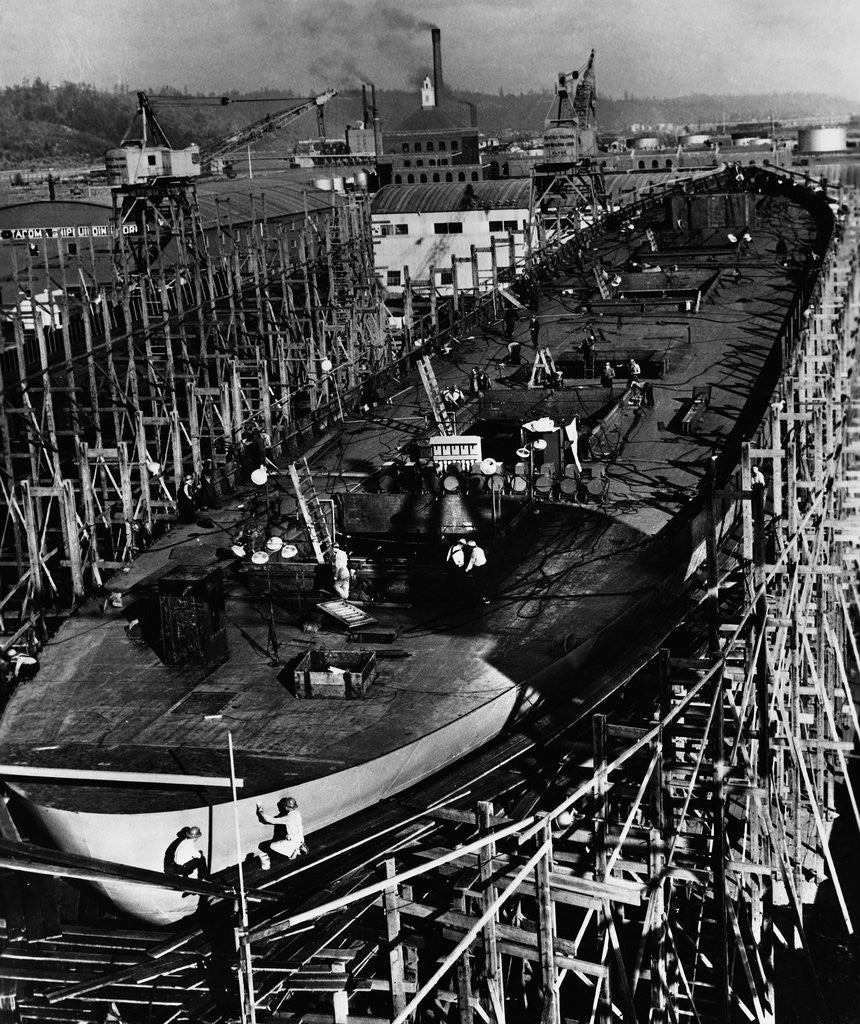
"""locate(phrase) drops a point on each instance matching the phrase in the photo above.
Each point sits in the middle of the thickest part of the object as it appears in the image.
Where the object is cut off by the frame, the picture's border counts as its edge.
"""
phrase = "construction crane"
(578, 109)
(146, 153)
(270, 123)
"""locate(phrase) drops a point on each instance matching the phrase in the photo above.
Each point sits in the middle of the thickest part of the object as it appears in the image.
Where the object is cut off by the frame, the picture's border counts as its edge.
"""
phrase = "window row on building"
(441, 162)
(393, 278)
(436, 176)
(430, 146)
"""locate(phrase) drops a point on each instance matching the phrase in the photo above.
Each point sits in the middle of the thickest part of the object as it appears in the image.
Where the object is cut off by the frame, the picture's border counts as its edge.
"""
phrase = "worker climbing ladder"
(437, 404)
(311, 510)
(543, 370)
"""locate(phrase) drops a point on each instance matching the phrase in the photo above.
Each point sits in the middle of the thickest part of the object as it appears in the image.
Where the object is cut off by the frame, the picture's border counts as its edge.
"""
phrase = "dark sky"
(647, 47)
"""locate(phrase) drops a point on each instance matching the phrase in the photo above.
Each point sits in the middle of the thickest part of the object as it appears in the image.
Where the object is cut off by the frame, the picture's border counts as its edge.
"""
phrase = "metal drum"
(451, 483)
(497, 482)
(595, 487)
(519, 485)
(568, 488)
(543, 486)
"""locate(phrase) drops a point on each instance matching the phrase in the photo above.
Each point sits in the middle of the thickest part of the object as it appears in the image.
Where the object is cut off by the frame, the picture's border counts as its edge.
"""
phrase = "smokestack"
(437, 64)
(364, 105)
(377, 127)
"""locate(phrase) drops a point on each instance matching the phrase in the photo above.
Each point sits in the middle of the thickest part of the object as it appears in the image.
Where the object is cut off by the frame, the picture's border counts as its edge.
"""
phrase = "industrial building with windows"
(422, 229)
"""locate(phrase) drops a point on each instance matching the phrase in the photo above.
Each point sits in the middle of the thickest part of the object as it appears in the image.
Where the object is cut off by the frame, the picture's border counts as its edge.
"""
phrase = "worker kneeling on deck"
(188, 858)
(288, 821)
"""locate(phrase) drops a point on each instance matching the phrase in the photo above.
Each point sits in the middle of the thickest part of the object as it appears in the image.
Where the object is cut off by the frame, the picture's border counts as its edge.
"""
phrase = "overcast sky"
(647, 47)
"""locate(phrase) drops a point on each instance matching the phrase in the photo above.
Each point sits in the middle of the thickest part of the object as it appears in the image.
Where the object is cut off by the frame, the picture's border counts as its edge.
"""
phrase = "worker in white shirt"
(456, 557)
(477, 568)
(289, 822)
(340, 569)
(188, 858)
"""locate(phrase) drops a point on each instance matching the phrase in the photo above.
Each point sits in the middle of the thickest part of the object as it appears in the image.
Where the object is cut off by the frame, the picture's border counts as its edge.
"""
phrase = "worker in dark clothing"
(587, 350)
(185, 500)
(534, 330)
(510, 321)
(208, 495)
(607, 375)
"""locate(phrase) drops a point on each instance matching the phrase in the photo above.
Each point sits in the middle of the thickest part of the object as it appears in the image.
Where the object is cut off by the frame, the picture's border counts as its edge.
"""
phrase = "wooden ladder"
(428, 378)
(601, 284)
(543, 364)
(311, 510)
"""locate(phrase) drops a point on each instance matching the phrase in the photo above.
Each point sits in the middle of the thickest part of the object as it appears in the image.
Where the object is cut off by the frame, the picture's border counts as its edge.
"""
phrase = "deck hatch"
(204, 702)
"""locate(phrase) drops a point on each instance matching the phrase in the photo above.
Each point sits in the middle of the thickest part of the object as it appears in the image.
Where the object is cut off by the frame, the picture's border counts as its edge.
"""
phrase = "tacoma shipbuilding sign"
(73, 231)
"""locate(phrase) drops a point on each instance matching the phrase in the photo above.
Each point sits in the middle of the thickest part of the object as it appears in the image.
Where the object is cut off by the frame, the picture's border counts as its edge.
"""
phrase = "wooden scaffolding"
(637, 856)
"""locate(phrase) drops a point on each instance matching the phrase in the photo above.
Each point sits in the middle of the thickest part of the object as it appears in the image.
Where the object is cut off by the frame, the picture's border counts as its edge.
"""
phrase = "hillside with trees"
(44, 125)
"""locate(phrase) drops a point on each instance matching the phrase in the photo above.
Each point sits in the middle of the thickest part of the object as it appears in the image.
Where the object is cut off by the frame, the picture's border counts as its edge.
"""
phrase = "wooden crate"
(312, 676)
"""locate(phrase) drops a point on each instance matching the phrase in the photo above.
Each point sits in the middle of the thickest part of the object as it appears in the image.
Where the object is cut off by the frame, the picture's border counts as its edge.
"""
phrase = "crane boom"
(270, 123)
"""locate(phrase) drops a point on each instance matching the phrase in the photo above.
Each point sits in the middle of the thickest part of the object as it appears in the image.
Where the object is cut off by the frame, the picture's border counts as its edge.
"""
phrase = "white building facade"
(421, 230)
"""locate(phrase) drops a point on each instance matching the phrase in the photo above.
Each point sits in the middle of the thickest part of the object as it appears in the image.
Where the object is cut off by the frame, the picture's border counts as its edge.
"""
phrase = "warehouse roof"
(510, 193)
(272, 199)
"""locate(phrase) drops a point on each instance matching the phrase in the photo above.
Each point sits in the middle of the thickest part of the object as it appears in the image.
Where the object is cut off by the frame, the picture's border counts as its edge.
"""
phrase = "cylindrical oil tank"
(694, 139)
(644, 142)
(822, 140)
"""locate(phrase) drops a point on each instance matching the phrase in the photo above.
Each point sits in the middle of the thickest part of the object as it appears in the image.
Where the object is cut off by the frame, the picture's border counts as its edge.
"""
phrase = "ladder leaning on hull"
(437, 403)
(311, 510)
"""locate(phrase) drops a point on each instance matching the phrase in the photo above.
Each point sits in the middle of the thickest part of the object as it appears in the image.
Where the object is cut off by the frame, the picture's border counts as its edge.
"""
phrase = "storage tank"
(644, 142)
(822, 140)
(694, 139)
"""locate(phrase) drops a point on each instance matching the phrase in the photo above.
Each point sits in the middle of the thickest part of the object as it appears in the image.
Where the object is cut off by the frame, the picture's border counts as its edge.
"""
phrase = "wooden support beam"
(98, 775)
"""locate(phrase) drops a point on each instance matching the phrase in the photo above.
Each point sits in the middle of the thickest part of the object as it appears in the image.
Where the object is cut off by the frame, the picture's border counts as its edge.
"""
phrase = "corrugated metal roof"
(43, 213)
(510, 193)
(275, 199)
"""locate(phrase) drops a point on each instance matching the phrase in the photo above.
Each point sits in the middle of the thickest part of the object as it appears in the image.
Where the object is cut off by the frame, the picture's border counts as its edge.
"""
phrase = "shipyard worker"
(587, 350)
(510, 321)
(188, 858)
(456, 556)
(207, 495)
(758, 478)
(534, 330)
(21, 665)
(289, 839)
(634, 372)
(607, 375)
(477, 567)
(185, 500)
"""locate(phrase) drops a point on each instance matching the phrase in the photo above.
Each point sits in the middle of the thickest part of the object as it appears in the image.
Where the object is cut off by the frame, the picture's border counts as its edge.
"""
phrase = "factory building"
(421, 228)
(435, 144)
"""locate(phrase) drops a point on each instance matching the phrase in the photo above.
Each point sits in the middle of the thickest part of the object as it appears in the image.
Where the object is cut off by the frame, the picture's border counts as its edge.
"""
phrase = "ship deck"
(574, 574)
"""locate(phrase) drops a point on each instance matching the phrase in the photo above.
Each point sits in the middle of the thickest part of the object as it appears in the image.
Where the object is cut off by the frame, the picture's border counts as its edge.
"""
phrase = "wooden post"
(546, 930)
(395, 949)
(73, 539)
(455, 288)
(494, 1002)
(36, 587)
(601, 812)
(763, 778)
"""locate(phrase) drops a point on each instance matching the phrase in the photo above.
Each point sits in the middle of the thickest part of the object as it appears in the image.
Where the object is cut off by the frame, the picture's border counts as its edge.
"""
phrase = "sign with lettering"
(73, 231)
